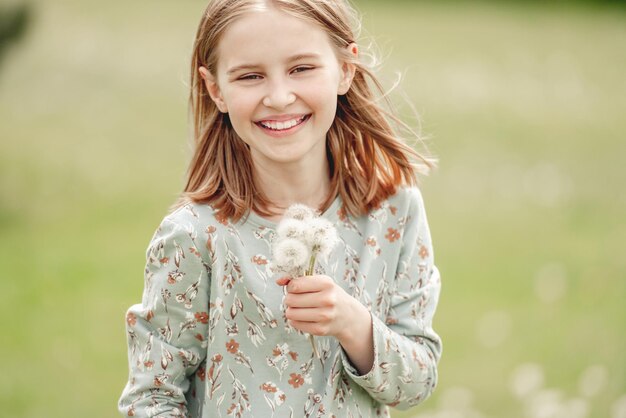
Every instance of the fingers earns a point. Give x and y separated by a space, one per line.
313 328
309 284
313 304
308 300
309 314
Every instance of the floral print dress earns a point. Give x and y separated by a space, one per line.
210 338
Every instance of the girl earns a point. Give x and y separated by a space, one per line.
283 113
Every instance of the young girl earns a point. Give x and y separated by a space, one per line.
283 113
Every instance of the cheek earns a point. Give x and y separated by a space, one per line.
241 114
322 99
240 108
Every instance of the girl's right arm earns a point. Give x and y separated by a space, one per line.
406 347
166 332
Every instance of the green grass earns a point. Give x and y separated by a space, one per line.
525 108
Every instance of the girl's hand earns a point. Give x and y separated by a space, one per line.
318 306
315 304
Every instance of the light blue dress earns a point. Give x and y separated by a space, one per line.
210 338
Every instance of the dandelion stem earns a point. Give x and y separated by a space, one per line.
309 272
311 268
312 339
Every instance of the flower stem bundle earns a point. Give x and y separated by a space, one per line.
302 239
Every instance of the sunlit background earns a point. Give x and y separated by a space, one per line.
524 104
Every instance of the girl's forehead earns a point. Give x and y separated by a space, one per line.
271 33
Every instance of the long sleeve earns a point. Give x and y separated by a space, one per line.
406 348
166 332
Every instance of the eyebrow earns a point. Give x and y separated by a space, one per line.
289 60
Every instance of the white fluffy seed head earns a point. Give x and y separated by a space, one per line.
301 237
290 228
290 253
321 236
292 272
300 212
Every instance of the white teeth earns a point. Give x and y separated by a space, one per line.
279 126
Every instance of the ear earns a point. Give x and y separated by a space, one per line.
347 70
214 91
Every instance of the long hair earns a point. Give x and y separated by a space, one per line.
368 159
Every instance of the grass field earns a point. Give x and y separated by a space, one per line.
525 108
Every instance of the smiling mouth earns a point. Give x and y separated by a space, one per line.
282 125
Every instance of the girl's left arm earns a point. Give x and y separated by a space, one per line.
406 348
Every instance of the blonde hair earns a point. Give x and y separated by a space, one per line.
367 159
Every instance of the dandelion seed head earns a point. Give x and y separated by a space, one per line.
300 212
301 236
290 228
618 409
575 408
321 236
527 379
593 380
546 403
289 254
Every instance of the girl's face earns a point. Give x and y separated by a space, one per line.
278 78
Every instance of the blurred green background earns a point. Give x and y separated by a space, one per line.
524 104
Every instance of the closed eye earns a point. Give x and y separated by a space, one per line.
250 77
302 68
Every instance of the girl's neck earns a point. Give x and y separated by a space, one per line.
285 186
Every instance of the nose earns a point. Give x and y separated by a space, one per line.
279 95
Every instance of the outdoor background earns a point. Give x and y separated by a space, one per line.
524 104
